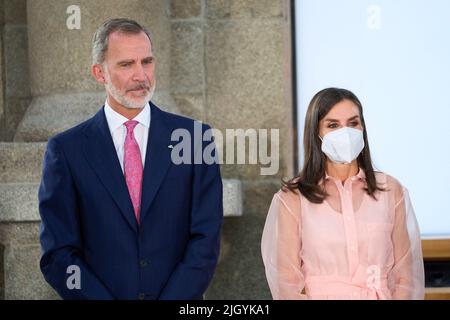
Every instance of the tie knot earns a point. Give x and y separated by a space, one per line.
130 124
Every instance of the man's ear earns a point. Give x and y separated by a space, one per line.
98 73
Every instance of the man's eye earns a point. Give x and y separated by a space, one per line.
125 65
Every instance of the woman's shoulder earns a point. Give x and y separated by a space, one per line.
288 196
287 200
390 183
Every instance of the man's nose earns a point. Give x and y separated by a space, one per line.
139 73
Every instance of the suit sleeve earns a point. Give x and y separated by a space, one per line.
193 274
60 232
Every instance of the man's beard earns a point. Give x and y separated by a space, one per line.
124 100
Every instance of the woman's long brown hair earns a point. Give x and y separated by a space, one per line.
307 181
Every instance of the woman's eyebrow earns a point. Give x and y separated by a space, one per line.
335 120
353 118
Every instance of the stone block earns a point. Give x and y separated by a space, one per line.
16 61
187 65
182 9
15 11
245 74
21 162
232 198
23 278
19 234
63 63
19 202
49 115
239 9
240 272
14 113
191 105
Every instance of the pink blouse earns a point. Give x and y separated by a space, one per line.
348 247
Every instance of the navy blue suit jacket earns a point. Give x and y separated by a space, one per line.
88 218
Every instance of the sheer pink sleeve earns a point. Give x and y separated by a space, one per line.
281 246
408 271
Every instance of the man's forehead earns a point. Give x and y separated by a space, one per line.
122 34
121 39
125 45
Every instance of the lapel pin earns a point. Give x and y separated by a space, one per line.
170 146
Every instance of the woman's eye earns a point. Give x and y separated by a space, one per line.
332 125
354 123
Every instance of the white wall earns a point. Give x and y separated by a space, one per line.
395 56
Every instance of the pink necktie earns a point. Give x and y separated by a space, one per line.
133 167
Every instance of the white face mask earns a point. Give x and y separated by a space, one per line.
343 145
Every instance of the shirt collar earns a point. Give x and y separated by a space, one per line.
115 119
359 176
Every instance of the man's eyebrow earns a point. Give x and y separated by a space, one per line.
125 61
150 58
147 59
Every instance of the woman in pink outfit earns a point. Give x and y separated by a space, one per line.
340 230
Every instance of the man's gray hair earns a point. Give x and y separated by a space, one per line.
100 39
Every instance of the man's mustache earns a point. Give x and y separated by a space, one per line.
139 87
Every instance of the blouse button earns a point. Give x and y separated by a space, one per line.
348 218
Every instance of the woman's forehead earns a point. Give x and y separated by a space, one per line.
342 111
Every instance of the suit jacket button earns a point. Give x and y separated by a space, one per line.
141 296
143 263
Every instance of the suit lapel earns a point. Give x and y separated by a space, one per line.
100 152
157 159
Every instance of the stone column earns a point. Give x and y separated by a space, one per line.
15 96
2 106
187 70
64 93
248 86
20 276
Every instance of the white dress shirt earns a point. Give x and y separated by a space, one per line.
116 124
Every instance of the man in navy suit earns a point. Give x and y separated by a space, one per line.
121 220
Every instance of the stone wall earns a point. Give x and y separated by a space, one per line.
225 62
245 63
15 93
